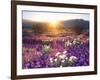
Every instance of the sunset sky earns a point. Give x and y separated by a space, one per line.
52 16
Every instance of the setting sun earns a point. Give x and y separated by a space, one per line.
53 22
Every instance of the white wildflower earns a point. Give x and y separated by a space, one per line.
73 58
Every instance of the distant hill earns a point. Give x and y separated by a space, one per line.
76 23
79 25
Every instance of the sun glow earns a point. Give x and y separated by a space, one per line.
53 22
54 26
